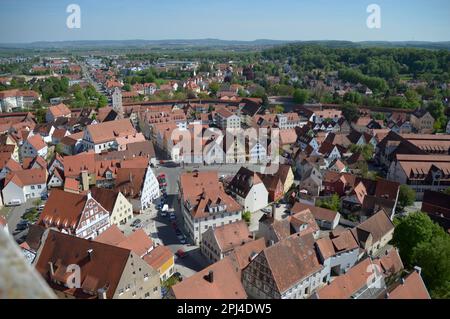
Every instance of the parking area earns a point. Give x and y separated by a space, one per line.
22 216
163 222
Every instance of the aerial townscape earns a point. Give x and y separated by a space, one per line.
210 169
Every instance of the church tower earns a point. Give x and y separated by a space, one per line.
117 102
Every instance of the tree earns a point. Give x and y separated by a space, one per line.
350 112
246 216
279 109
40 115
412 230
353 97
434 259
332 203
367 150
447 191
300 96
214 88
102 101
406 196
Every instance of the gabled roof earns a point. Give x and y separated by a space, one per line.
62 210
377 225
225 283
158 256
336 243
37 142
138 242
243 181
59 110
411 287
292 260
106 197
345 286
111 236
101 265
108 131
242 255
318 212
232 235
27 177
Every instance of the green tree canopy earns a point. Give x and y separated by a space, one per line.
406 196
300 96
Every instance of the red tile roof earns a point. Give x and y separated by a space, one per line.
27 177
225 283
103 271
412 287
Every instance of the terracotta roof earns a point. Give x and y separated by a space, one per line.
224 113
111 236
291 260
108 131
231 235
242 255
129 181
377 225
318 212
59 110
63 209
16 92
336 243
71 184
158 256
412 287
74 165
102 271
283 172
304 217
37 142
390 262
203 189
344 286
138 242
225 283
27 177
243 181
106 197
288 136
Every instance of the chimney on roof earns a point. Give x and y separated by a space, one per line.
210 276
102 293
90 253
418 269
52 270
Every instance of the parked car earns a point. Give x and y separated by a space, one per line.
178 232
172 216
182 239
136 223
44 196
163 213
180 254
22 225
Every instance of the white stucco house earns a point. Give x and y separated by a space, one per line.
34 146
249 190
23 185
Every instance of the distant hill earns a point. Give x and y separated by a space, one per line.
211 43
141 43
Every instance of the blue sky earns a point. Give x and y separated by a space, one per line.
45 20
